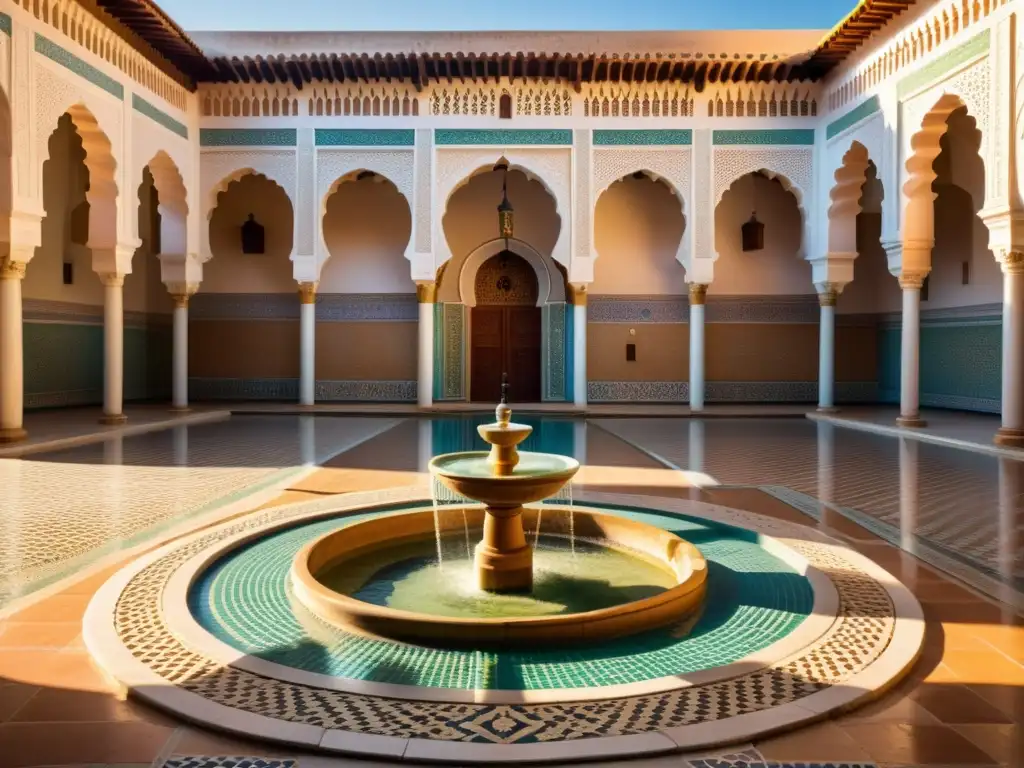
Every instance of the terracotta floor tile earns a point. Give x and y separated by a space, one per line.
13 696
943 590
32 744
90 584
985 667
822 742
63 670
963 637
1003 742
978 612
53 705
957 704
1007 638
196 741
893 708
59 608
916 744
39 634
1008 699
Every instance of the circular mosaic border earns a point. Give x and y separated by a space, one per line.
184 626
870 641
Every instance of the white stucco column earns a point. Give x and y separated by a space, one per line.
307 343
909 493
828 294
113 348
179 366
910 343
1011 432
698 297
426 293
578 296
12 360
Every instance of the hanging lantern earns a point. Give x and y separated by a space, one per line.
753 234
506 223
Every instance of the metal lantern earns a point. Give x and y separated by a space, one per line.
506 222
753 234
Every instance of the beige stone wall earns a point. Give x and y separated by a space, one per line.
243 349
366 351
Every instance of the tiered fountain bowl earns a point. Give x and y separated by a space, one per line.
330 574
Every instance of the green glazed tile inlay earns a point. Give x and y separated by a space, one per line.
5 24
248 137
355 137
767 136
860 112
461 136
158 116
54 52
613 138
753 600
932 71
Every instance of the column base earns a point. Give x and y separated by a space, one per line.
113 418
1009 437
180 409
827 409
911 422
12 434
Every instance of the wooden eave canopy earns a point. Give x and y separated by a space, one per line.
152 24
146 19
869 17
573 69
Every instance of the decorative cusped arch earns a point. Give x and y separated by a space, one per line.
550 282
173 196
96 118
219 169
845 199
154 142
918 173
671 167
793 168
337 166
552 168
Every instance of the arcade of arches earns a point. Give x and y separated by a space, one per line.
749 283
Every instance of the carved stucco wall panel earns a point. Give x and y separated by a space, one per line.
55 94
794 168
306 208
670 165
703 207
551 167
333 164
585 197
423 239
218 169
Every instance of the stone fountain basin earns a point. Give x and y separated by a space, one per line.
537 476
673 606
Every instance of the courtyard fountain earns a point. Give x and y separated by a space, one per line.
587 576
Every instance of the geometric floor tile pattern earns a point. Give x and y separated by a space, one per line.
957 506
107 496
855 641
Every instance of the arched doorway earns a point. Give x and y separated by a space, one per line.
505 329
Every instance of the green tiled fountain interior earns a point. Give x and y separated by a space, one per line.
753 600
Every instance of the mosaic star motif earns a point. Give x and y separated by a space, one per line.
858 636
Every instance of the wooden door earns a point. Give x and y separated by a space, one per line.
506 339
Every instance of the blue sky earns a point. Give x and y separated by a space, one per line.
414 15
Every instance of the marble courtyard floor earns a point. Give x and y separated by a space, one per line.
71 518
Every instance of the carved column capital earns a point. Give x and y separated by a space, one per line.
1012 262
828 294
181 292
912 279
112 279
698 294
426 292
307 292
578 295
11 269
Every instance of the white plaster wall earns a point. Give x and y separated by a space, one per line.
367 227
65 179
959 234
471 218
231 271
638 225
777 269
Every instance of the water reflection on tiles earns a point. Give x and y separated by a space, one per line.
964 503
